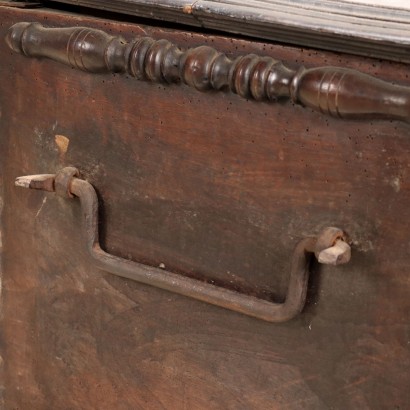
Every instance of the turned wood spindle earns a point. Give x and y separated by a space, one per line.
333 91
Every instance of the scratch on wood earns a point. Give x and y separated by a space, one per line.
41 207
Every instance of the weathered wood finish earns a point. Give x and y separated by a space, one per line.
334 91
213 186
369 30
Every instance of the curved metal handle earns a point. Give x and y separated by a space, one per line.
334 91
329 247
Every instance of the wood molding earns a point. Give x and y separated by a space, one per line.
334 91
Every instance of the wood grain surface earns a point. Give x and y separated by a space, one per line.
214 187
356 28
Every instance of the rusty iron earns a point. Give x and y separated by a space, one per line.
330 247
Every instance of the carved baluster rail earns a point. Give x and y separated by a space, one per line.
333 91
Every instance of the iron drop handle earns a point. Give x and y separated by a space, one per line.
329 247
333 91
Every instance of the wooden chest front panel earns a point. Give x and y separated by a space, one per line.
214 187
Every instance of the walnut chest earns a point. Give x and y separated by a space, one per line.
214 219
